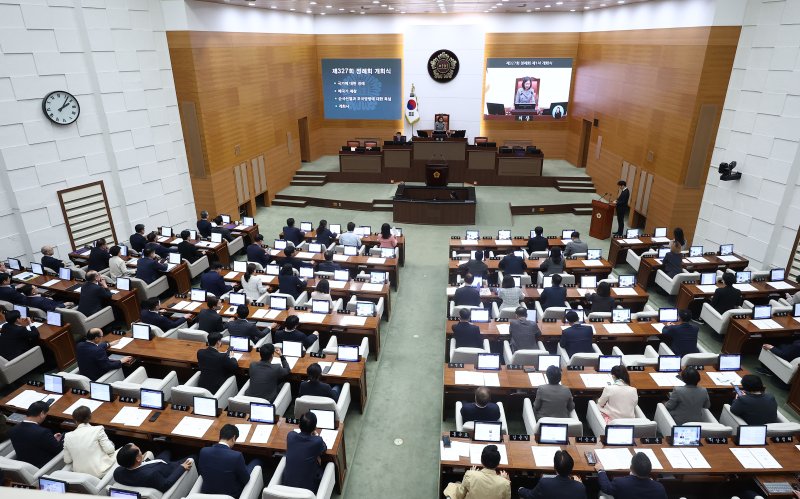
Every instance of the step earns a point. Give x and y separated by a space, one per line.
310 175
382 207
574 182
582 211
311 183
575 189
289 202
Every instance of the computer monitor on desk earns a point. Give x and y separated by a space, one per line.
422 134
495 109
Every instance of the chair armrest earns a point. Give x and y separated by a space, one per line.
529 417
596 349
54 464
283 399
459 417
138 376
226 391
504 425
328 481
507 354
664 420
452 348
253 488
728 418
650 352
616 351
169 382
595 419
332 346
486 345
344 401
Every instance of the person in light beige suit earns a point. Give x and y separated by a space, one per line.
483 483
87 447
618 400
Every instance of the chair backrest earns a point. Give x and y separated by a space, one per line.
192 335
82 483
584 359
76 320
554 313
699 359
184 395
18 471
236 245
258 265
466 355
75 380
275 489
527 357
289 298
307 402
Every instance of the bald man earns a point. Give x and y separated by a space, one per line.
52 263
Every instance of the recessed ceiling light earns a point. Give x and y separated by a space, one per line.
602 5
309 12
375 1
528 10
352 12
391 8
274 7
586 7
384 5
538 8
313 3
322 13
292 10
341 9
329 6
547 6
559 3
620 1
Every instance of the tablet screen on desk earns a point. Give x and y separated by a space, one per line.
684 436
14 264
347 353
123 494
65 273
479 315
174 258
725 249
594 254
503 234
292 349
54 319
240 343
279 244
751 435
307 272
325 419
730 362
546 361
669 363
667 315
262 413
140 331
488 431
387 252
273 269
124 284
777 275
660 232
619 435
22 309
377 277
248 221
627 281
205 406
547 281
306 226
517 281
151 399
553 434
350 251
336 228
662 252
743 277
341 275
796 311
365 308
695 251
100 391
632 233
567 233
321 306
37 268
52 485
166 231
314 248
588 281
762 312
277 302
472 235
239 266
226 219
606 362
53 384
195 295
708 278
488 361
620 315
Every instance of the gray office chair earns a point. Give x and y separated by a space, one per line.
275 489
14 369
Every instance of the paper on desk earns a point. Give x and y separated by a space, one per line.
337 284
491 379
244 430
503 328
656 464
658 326
675 457
543 455
240 227
659 261
592 263
448 454
304 255
537 379
724 378
583 291
376 259
764 458
697 259
765 324
659 239
24 276
566 241
27 397
237 355
231 275
451 290
340 258
773 284
597 381
90 403
461 447
161 239
746 458
270 314
468 378
372 287
502 242
192 306
193 427
260 313
329 437
729 258
274 252
614 459
350 320
261 434
180 305
123 342
53 282
617 328
475 451
337 368
289 360
666 379
131 416
625 291
311 318
707 288
632 241
744 287
37 324
695 458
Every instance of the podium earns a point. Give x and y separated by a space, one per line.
602 219
436 174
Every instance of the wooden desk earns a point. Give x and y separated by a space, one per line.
59 341
460 245
743 337
370 241
649 267
172 352
389 265
620 246
575 267
794 394
575 295
169 418
249 233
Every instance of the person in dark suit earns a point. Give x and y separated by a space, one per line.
223 469
150 315
673 260
622 205
313 386
17 336
512 264
290 284
94 294
634 486
575 245
220 228
208 319
323 235
577 338
524 333
289 332
787 351
682 338
289 258
148 268
9 293
554 264
303 451
555 295
137 239
292 233
467 294
38 301
483 409
561 485
213 282
188 250
537 242
153 244
159 474
727 297
465 333
601 301
686 403
265 376
328 265
553 400
215 367
256 253
242 327
476 266
99 256
203 225
92 355
756 406
33 443
54 264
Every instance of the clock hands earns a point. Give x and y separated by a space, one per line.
66 101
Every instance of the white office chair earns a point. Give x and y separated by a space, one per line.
160 333
648 313
635 260
709 426
307 402
524 279
24 472
719 322
332 347
291 301
551 312
83 483
184 394
566 279
780 367
258 265
74 379
580 359
574 425
783 427
507 312
649 358
146 291
523 357
539 254
598 315
777 308
252 490
467 355
241 402
702 358
642 427
352 303
235 246
275 490
138 379
79 324
14 369
671 285
339 249
470 425
454 310
178 490
198 267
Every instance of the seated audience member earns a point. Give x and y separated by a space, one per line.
682 337
561 486
467 294
524 333
465 333
203 225
150 315
575 245
208 319
756 407
793 299
512 264
159 474
99 256
92 355
223 469
483 483
9 293
476 266
322 291
240 326
148 268
601 301
510 295
94 294
726 297
137 239
213 282
323 235
219 227
290 284
38 301
257 253
117 267
786 351
52 263
637 485
187 250
215 367
483 409
313 386
328 265
553 400
265 376
17 335
292 233
619 399
350 238
289 332
386 239
537 242
555 295
153 244
33 443
673 260
303 451
678 237
87 448
554 264
253 284
290 259
686 403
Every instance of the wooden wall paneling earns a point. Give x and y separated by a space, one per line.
646 194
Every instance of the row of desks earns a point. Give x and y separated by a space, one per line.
371 241
390 265
575 266
761 290
634 298
650 266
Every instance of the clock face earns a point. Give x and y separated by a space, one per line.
61 107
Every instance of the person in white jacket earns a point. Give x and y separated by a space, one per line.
87 447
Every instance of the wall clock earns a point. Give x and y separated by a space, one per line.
60 107
443 66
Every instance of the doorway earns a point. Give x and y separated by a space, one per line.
586 139
305 149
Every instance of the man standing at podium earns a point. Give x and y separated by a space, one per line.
622 206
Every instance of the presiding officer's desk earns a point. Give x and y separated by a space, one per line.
173 353
760 290
706 263
743 336
635 299
169 419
